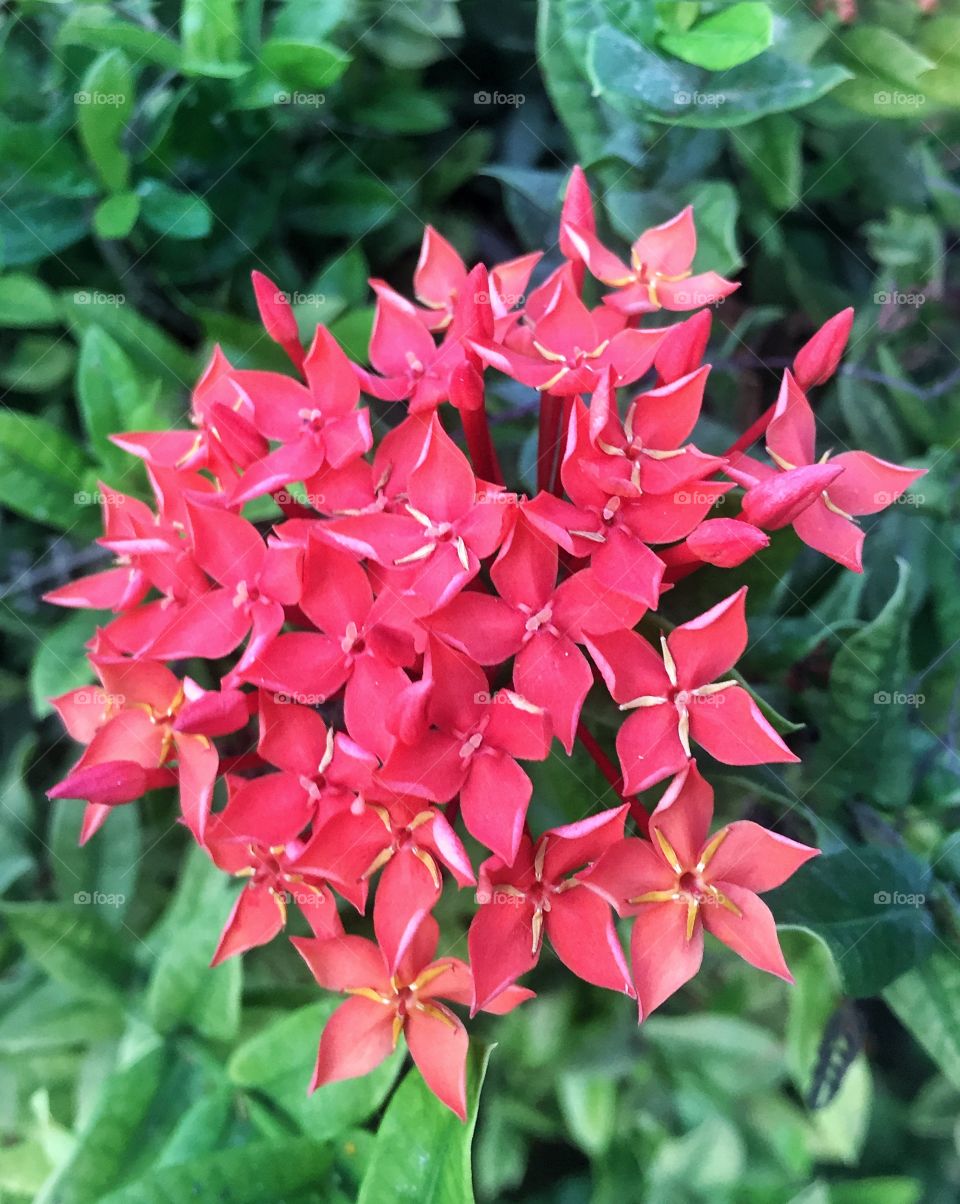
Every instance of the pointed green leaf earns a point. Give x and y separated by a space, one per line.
725 39
277 1061
104 104
422 1152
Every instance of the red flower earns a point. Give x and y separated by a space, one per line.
659 275
681 882
384 1004
541 891
675 698
865 484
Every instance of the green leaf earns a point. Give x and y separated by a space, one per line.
103 871
110 1127
96 27
210 36
770 150
41 470
927 1002
719 1047
866 715
183 989
61 661
589 1105
724 40
116 216
638 81
262 1172
72 944
39 363
108 390
422 1152
147 344
304 65
867 904
104 104
174 214
26 301
276 1061
50 1017
35 225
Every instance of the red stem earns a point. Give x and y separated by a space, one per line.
752 433
480 445
637 810
250 760
548 443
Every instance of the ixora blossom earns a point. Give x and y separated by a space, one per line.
377 667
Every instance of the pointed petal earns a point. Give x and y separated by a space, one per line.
554 674
665 416
756 858
439 1048
832 534
573 846
731 727
868 484
493 801
255 919
706 647
356 1038
501 946
582 932
628 868
343 963
661 957
752 933
684 813
405 894
649 748
670 247
791 435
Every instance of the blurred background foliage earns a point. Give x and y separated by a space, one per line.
152 153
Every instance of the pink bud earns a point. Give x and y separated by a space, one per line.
817 359
726 542
277 316
776 501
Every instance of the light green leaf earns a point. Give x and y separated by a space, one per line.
276 1062
103 105
725 39
183 989
95 26
116 216
26 301
259 1173
111 1126
927 1002
174 214
210 36
638 81
41 470
589 1105
422 1154
102 872
304 65
72 944
61 661
108 390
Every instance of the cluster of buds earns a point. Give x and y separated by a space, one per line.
408 630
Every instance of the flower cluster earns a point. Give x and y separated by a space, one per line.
386 652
